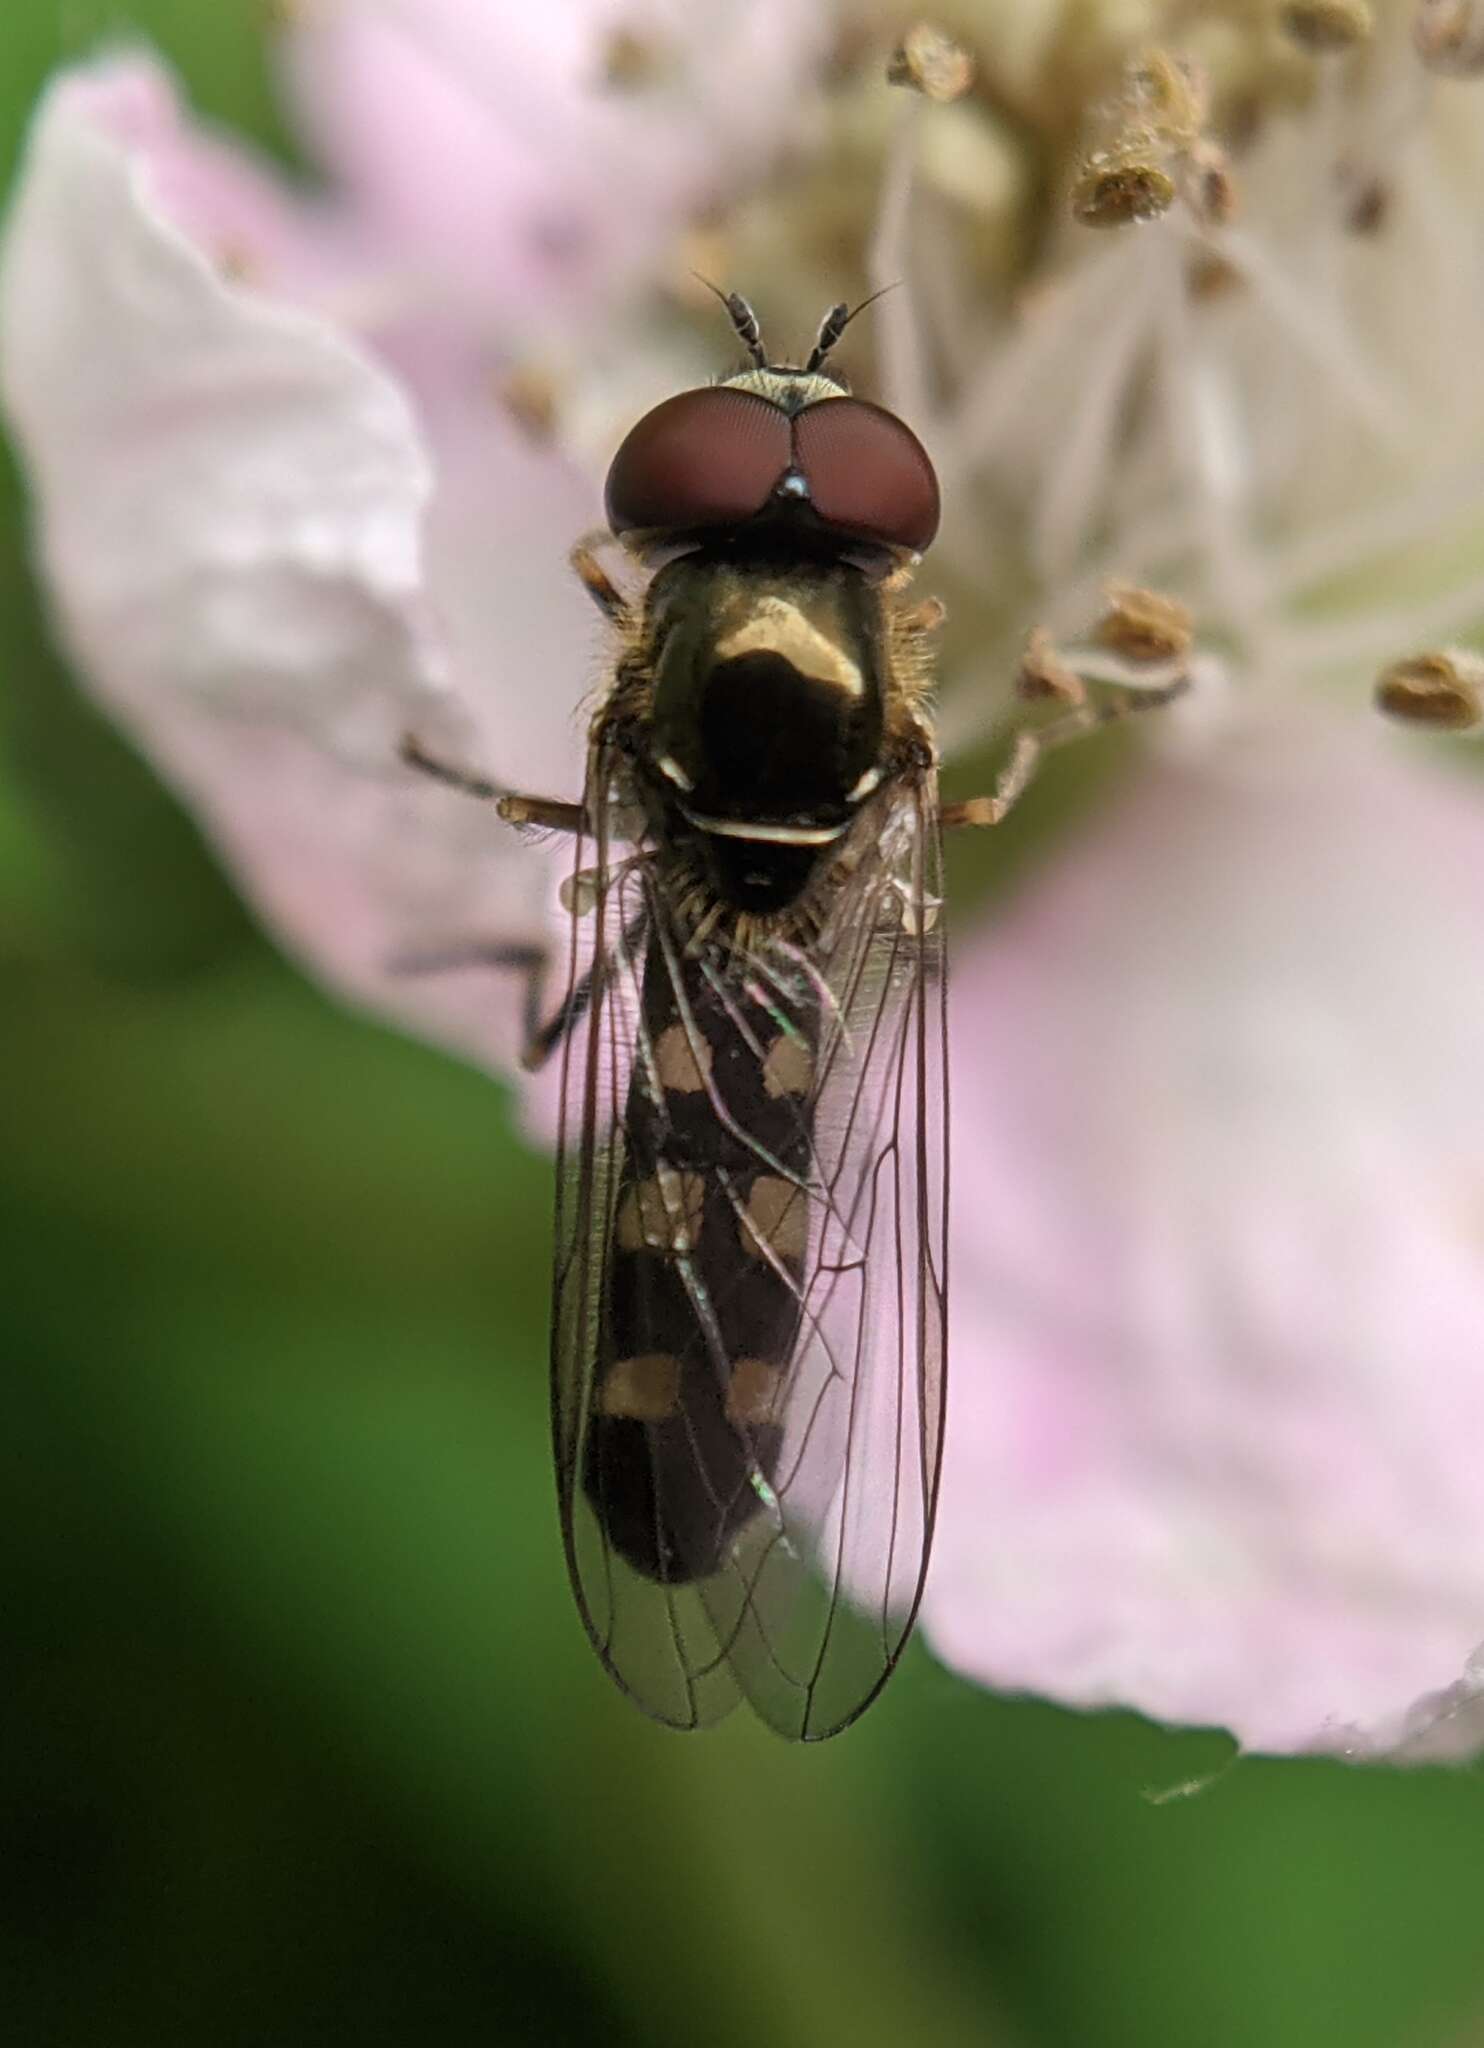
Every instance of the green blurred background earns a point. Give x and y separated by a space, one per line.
302 1741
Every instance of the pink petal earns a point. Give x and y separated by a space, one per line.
1217 1407
232 205
487 141
232 506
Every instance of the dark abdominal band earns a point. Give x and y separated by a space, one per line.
700 1313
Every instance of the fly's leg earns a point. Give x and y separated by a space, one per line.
539 1037
548 813
1139 653
596 581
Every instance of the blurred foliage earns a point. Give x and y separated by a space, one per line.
302 1740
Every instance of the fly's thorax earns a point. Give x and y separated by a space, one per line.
767 720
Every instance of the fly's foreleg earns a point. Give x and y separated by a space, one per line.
547 813
596 581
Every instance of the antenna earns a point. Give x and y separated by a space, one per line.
743 319
834 325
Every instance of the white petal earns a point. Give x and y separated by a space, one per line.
231 502
1217 1396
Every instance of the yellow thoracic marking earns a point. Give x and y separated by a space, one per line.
775 1219
676 1065
774 626
642 1389
788 1068
753 1392
662 1214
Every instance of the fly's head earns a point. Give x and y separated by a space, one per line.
780 513
775 455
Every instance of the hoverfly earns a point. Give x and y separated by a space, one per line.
750 1271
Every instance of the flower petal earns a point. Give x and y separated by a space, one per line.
1218 1370
498 146
231 504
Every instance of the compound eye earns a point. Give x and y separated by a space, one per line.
868 474
703 458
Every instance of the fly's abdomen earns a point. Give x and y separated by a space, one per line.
704 1274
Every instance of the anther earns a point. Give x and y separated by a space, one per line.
1144 625
1367 206
929 61
1143 146
1043 677
1326 27
1209 185
1442 689
1116 188
1449 36
635 63
529 394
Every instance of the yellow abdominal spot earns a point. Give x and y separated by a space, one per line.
642 1389
662 1214
788 1068
753 1392
776 1219
680 1067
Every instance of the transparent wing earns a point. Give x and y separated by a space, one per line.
747 1381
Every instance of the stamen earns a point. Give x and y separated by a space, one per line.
238 263
1141 650
929 61
1208 186
1449 36
1079 458
1369 637
1326 27
1145 625
1117 188
1055 323
1442 689
1141 142
529 393
1338 546
1326 340
1043 676
903 362
631 62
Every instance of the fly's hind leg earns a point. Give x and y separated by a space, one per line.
539 1038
